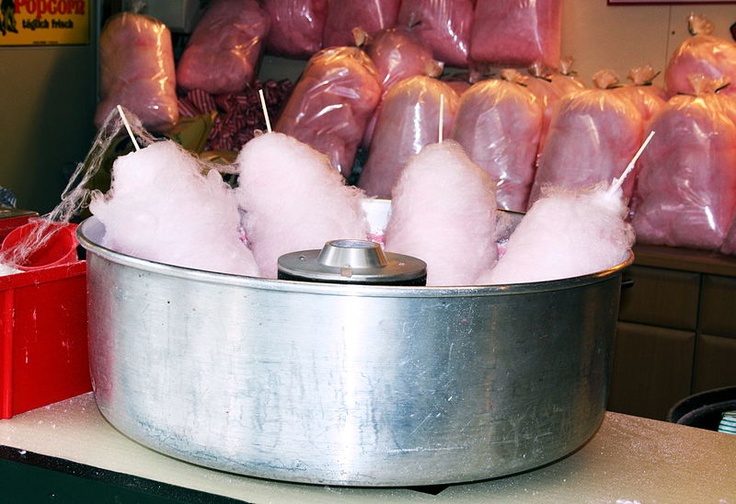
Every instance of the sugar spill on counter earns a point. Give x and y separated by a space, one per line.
165 205
443 212
292 198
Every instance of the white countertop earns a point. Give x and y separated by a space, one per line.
630 460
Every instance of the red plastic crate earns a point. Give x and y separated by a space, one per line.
11 218
43 337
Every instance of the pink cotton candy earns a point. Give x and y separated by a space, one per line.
224 51
293 199
593 135
686 189
160 207
398 53
547 92
702 56
332 104
647 97
296 26
137 71
517 32
566 233
345 15
499 123
444 25
408 119
443 212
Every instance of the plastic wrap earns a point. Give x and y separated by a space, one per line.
296 27
408 119
345 15
332 103
397 54
593 135
565 80
224 51
728 246
686 190
644 77
517 32
498 123
548 94
647 97
137 71
444 25
701 55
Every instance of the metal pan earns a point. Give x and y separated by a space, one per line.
348 384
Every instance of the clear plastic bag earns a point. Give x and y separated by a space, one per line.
647 97
702 55
332 103
408 119
565 80
498 123
545 89
444 25
517 32
296 27
225 48
398 53
686 189
345 15
137 71
593 135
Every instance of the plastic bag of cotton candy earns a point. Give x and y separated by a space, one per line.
591 136
704 55
499 123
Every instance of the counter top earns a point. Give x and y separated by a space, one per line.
630 460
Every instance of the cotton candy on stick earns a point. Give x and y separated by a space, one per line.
292 199
444 212
162 207
568 233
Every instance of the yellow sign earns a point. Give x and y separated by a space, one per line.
44 22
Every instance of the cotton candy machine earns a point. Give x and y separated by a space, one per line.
348 384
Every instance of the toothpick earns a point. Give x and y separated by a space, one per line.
442 118
127 127
265 110
617 182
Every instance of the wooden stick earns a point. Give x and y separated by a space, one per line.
265 110
617 182
127 127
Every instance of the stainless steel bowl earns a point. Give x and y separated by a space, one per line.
348 384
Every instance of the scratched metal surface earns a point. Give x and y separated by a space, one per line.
348 385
